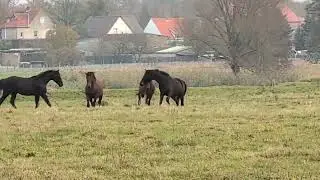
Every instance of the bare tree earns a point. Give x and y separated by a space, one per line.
233 28
62 46
66 12
5 6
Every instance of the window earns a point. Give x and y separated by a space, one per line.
42 19
21 34
35 33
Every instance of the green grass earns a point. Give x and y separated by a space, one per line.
221 133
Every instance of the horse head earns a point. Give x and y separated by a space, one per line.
147 77
56 77
91 79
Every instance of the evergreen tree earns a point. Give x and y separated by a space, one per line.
311 27
299 39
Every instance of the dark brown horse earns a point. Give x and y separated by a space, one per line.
33 86
93 89
174 88
146 90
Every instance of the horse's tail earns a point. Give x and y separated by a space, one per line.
1 85
1 88
183 84
185 87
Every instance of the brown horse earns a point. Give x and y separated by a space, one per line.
93 89
146 90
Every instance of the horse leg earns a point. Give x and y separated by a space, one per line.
176 99
182 101
88 101
139 99
147 100
3 97
168 99
45 98
161 99
150 99
99 101
36 100
93 102
12 100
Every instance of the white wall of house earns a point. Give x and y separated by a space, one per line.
151 28
120 27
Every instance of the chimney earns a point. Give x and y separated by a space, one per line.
28 9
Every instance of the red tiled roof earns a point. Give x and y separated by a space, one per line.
20 19
168 26
292 18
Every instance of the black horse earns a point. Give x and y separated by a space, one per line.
32 86
146 90
174 88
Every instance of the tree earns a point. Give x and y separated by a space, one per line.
144 16
241 30
311 27
5 6
97 8
299 39
36 3
62 36
67 12
62 46
5 45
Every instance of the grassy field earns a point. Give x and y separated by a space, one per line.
222 133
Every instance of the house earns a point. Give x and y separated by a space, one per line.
28 24
172 54
107 49
169 27
106 25
293 20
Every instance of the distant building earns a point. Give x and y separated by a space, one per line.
27 24
293 20
99 26
169 27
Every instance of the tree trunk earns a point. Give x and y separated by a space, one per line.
235 67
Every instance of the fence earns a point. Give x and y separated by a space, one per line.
196 74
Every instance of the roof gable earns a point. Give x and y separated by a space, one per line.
100 25
120 27
168 26
133 24
151 28
291 17
21 19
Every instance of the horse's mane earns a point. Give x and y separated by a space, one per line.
164 73
93 75
43 74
